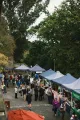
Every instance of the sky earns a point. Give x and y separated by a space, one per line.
53 3
51 7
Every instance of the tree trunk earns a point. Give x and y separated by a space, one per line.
0 8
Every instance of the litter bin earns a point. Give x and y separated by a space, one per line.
7 103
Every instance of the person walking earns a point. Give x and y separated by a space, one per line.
24 92
29 99
63 109
32 87
40 93
55 106
43 92
49 95
6 80
20 90
16 91
2 87
36 92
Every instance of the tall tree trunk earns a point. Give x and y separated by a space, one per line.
0 8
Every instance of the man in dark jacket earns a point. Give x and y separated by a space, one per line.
36 92
41 93
29 100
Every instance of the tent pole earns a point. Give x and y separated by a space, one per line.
71 100
54 64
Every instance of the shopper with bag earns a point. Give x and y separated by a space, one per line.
63 109
56 105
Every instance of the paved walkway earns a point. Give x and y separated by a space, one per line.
41 107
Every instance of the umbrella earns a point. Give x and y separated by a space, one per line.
21 114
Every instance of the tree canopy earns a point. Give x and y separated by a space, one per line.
59 34
61 31
7 44
3 60
21 14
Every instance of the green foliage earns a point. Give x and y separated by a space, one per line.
7 44
35 53
61 31
39 54
21 14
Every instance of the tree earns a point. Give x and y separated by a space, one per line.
61 31
21 15
39 54
3 60
35 51
7 44
0 8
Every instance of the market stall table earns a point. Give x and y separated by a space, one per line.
76 111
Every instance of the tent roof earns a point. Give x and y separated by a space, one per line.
21 114
54 76
9 68
66 79
37 68
22 67
74 85
47 73
77 91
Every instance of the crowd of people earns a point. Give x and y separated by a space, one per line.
25 85
28 86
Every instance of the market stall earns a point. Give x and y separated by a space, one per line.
44 75
37 69
74 87
66 79
47 73
54 76
22 68
76 103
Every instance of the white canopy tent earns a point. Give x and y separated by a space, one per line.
74 86
54 76
37 69
47 73
22 67
66 79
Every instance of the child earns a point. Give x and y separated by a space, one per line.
16 91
